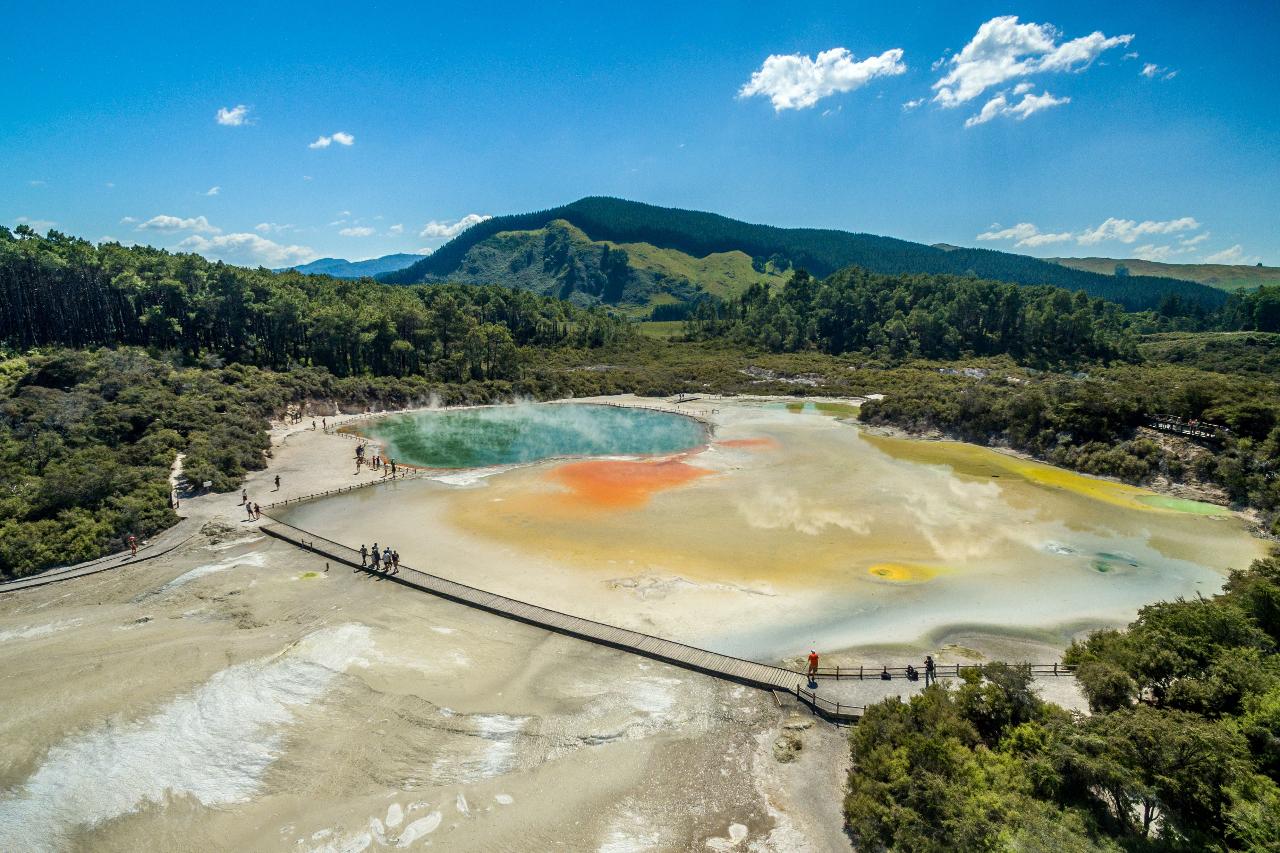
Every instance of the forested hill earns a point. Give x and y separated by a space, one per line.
342 268
820 251
63 291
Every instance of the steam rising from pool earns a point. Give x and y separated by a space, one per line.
527 432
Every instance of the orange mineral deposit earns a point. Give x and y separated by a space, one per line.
621 484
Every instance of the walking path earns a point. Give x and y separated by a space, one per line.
162 544
750 673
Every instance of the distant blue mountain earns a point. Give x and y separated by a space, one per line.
342 268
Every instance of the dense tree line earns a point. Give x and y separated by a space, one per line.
821 251
940 317
65 291
1090 423
88 438
1181 752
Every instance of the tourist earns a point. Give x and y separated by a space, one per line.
364 556
133 545
813 663
244 496
930 671
912 673
257 513
393 469
313 423
377 556
386 558
324 424
277 482
248 508
884 674
395 562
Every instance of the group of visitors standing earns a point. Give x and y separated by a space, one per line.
913 674
252 510
375 461
385 561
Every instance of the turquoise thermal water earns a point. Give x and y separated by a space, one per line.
503 435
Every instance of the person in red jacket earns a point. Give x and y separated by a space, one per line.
813 664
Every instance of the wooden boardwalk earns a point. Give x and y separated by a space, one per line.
167 541
750 673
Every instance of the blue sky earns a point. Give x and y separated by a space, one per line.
1039 137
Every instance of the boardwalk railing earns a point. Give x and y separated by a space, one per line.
1190 429
837 712
750 673
410 474
950 670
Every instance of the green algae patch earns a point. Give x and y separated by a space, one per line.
795 408
308 575
1182 505
838 410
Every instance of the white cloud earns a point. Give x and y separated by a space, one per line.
794 81
1128 231
1152 252
1079 54
247 249
1194 241
396 229
1151 71
272 228
1021 110
910 105
128 220
1026 234
449 230
1023 87
170 224
213 190
1234 255
1004 49
1133 54
425 250
233 116
357 231
340 137
36 224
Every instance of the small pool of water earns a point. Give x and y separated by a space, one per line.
506 435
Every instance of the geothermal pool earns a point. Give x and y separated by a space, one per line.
505 435
792 529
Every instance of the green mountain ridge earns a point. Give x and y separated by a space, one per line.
1221 276
697 235
343 268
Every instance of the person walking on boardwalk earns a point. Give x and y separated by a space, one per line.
813 668
277 482
244 496
395 562
386 559
248 508
377 557
133 545
364 556
257 512
393 468
930 670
